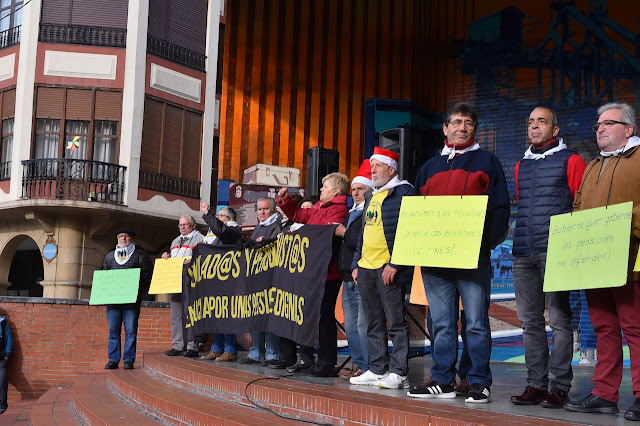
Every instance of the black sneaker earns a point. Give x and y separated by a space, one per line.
173 352
247 361
433 390
300 366
478 394
281 364
190 353
320 370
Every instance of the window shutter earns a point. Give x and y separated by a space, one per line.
108 105
191 146
78 104
100 13
49 102
171 141
151 134
8 103
55 11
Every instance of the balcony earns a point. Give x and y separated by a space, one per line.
82 34
5 170
169 184
10 37
174 53
70 179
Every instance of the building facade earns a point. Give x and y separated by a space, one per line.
109 118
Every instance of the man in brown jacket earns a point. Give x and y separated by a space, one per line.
613 178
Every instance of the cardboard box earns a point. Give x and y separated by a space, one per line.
266 174
243 198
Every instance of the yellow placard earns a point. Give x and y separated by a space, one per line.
637 265
440 231
167 276
588 249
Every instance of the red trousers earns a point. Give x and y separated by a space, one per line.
612 310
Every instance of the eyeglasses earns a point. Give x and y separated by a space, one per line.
607 124
222 215
458 123
181 225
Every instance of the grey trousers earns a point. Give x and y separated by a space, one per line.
177 328
528 278
384 303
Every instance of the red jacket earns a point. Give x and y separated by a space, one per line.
334 211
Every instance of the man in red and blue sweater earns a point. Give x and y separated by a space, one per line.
463 169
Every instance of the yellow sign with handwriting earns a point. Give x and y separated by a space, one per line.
440 231
167 276
588 249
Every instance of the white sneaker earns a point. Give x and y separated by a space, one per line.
368 378
394 381
576 341
587 358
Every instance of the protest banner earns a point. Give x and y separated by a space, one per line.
167 275
277 288
440 231
588 249
114 287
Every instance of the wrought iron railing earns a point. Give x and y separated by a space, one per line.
82 34
10 37
169 184
5 170
175 53
70 179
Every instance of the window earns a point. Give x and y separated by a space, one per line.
47 137
7 140
10 14
105 140
77 137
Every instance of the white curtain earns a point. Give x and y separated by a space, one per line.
104 147
47 144
7 141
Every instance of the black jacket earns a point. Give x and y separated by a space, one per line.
226 234
139 259
349 245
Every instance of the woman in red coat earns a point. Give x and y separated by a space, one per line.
331 209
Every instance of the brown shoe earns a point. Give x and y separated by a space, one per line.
530 396
462 389
347 374
227 357
211 356
556 398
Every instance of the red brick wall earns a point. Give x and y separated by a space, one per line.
55 344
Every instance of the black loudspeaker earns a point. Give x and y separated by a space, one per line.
320 162
414 146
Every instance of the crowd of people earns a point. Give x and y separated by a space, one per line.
550 179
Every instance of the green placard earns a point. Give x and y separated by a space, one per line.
114 287
440 231
589 249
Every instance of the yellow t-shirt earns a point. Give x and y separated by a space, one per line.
375 253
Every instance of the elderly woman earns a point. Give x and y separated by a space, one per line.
331 209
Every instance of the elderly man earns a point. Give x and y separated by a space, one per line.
355 319
126 255
379 281
182 246
463 169
265 348
547 178
612 178
224 223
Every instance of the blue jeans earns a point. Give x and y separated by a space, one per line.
355 324
474 286
116 316
224 343
265 346
465 362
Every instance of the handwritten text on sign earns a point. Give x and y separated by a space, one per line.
589 249
440 231
116 286
167 276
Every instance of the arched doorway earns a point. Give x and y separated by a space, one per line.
26 270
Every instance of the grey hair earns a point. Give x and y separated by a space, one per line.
230 212
271 201
554 116
188 216
628 114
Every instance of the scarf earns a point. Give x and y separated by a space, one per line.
451 151
391 184
530 155
211 237
270 220
633 141
122 254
